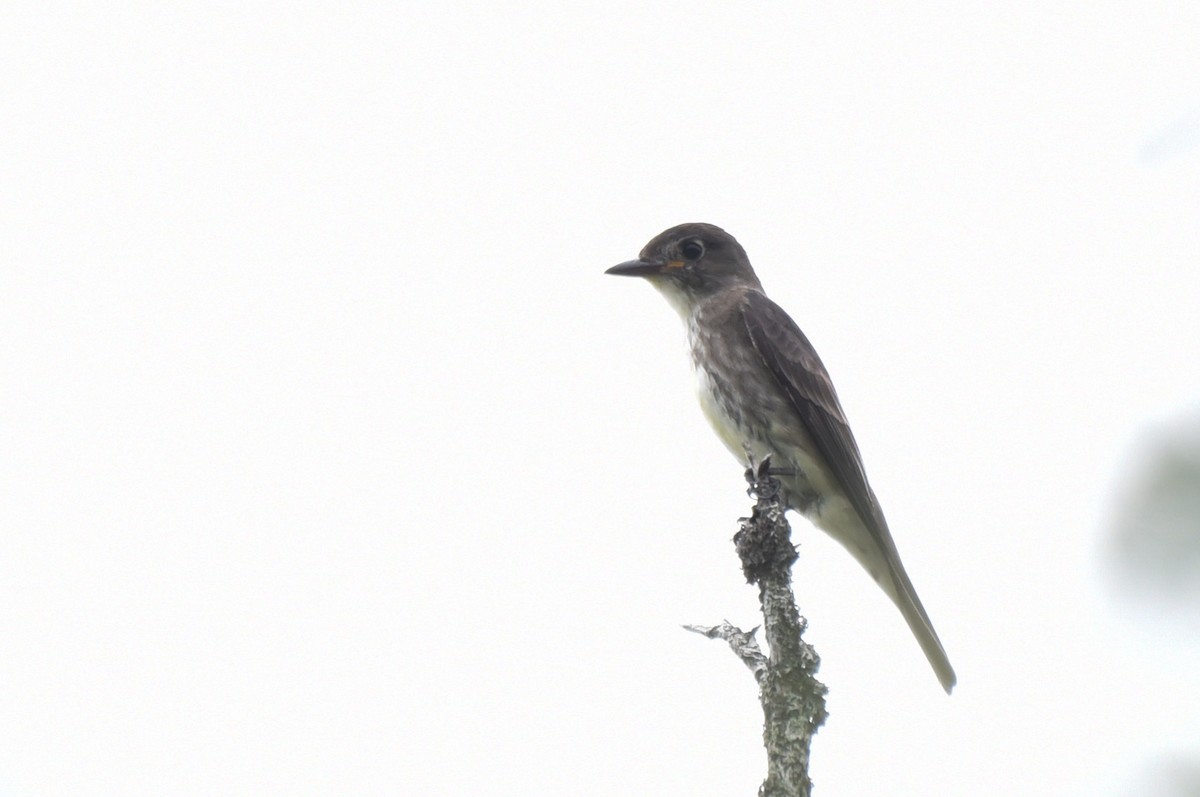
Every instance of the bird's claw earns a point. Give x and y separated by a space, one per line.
762 479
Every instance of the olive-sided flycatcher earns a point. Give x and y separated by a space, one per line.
766 393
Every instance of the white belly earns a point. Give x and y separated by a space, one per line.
727 430
811 487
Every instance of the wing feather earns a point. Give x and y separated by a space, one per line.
801 375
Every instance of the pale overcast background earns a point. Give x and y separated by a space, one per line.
334 464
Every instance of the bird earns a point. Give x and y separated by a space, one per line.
766 393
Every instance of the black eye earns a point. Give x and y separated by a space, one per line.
692 250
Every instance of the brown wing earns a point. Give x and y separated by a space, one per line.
794 363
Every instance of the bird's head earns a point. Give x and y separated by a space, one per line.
691 263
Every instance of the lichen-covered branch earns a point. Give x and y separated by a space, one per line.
742 643
792 698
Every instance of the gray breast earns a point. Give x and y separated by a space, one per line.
745 406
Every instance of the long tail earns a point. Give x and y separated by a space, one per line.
906 600
877 553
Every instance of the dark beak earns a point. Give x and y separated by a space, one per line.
636 268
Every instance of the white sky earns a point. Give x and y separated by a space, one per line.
333 464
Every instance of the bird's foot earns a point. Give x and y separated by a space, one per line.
762 478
